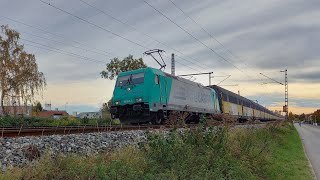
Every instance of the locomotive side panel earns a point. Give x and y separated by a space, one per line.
188 96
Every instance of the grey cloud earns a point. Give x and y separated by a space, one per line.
277 13
313 76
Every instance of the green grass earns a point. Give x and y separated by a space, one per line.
274 152
288 159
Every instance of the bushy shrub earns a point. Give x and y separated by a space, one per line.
198 154
8 121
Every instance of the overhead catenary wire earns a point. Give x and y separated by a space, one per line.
208 33
190 67
60 52
60 42
143 33
57 49
198 40
95 25
224 79
212 36
56 35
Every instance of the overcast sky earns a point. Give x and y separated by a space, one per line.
257 36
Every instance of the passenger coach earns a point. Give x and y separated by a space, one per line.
242 108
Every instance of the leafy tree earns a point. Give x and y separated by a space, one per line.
116 66
316 115
291 116
37 107
105 109
19 74
302 117
106 106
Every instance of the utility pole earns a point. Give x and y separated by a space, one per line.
286 95
173 66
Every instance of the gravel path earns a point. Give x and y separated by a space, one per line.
310 136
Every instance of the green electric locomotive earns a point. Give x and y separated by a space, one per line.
150 95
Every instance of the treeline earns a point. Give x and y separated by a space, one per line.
315 116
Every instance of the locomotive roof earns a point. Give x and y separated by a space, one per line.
160 72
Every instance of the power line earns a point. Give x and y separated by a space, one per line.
53 34
203 29
57 49
210 34
88 50
95 25
65 53
143 33
224 79
193 36
272 79
190 67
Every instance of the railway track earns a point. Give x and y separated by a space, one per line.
47 130
64 130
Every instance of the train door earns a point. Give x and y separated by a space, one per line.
163 90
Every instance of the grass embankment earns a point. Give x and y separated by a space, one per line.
274 152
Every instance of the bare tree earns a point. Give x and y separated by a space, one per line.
19 74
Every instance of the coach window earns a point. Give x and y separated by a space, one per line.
156 79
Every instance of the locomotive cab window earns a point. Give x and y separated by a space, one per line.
130 79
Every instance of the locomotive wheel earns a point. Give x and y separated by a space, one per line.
156 118
159 118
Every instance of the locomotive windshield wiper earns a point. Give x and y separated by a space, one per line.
129 81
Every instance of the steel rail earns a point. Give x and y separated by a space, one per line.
65 130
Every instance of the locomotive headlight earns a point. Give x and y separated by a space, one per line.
139 100
117 102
